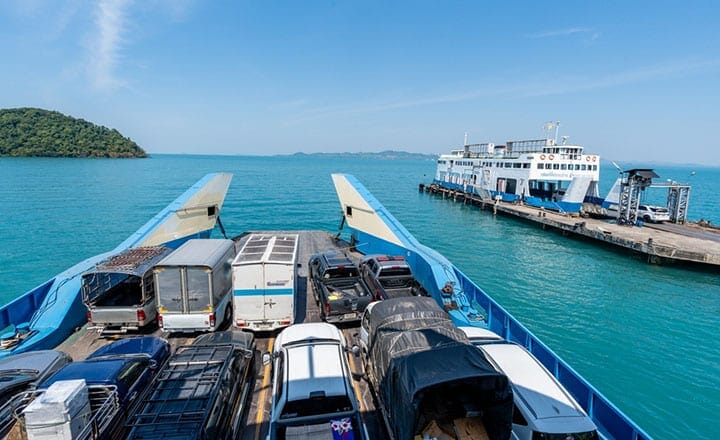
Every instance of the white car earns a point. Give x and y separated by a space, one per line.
543 407
312 393
655 214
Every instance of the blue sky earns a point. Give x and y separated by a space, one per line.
631 81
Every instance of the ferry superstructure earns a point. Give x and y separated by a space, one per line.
538 172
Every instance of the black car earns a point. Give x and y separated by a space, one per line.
338 289
201 392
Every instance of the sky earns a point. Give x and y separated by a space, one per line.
634 81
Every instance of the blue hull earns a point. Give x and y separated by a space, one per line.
433 271
54 310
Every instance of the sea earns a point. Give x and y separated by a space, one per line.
646 336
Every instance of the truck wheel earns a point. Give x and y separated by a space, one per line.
646 218
228 316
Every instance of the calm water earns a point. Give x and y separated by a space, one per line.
645 336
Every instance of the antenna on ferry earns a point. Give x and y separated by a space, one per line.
465 138
617 167
557 127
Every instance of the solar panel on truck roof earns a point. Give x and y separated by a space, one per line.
265 248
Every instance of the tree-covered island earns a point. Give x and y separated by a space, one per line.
36 132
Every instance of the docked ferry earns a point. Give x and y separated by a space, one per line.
538 172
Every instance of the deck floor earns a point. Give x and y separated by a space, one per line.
257 416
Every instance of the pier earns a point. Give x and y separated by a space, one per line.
663 243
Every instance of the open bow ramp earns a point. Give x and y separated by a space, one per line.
375 231
49 313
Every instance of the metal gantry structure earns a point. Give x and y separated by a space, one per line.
637 180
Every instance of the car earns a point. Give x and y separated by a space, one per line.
543 408
654 214
127 366
201 392
312 393
337 287
389 276
23 372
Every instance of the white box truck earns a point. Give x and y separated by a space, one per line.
264 279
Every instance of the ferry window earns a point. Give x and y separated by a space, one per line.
583 167
541 166
556 166
508 165
517 165
500 165
563 166
577 167
594 167
526 165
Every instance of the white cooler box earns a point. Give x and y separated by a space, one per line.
59 413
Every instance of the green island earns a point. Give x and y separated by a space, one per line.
34 132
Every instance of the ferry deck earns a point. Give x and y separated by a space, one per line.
257 415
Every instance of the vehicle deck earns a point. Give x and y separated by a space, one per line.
662 243
83 342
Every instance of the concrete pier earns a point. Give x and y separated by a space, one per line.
665 243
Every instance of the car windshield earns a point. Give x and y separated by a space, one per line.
316 406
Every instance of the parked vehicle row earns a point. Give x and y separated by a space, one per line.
343 289
197 287
134 388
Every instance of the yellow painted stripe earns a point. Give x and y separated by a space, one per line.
263 394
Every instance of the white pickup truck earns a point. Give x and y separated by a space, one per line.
654 214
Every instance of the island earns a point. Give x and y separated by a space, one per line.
35 132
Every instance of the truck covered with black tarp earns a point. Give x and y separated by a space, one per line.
424 371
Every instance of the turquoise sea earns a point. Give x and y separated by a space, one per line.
645 336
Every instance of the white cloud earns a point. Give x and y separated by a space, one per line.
587 33
110 19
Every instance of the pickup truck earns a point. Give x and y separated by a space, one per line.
389 277
337 287
429 380
119 293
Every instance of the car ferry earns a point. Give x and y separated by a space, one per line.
369 227
538 172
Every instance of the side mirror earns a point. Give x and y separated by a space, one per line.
152 364
266 357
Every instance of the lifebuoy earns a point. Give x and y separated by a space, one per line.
594 158
551 157
587 158
542 157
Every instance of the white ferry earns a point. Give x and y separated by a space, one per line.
537 172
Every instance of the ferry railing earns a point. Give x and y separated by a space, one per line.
611 421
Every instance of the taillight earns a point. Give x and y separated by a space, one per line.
212 319
285 322
141 315
89 316
241 323
160 321
327 309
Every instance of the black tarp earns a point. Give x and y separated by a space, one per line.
426 369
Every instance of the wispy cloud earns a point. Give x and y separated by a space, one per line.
675 69
110 19
526 89
586 33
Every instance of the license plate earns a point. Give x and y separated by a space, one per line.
349 316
